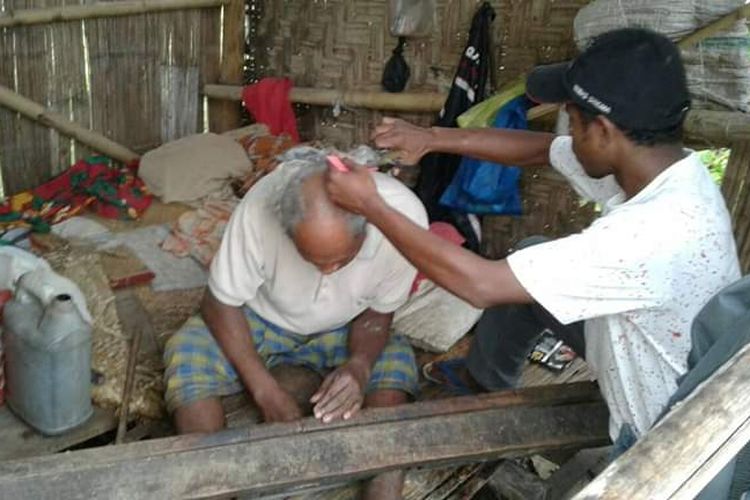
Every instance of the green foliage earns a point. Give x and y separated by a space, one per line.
716 161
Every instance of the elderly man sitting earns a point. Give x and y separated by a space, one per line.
297 281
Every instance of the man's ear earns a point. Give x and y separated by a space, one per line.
607 133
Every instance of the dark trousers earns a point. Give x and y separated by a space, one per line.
505 335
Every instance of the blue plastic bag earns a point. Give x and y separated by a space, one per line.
482 187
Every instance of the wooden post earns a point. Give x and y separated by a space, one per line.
225 115
135 321
28 17
683 452
736 190
272 458
48 118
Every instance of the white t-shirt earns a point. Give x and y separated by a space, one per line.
258 265
638 276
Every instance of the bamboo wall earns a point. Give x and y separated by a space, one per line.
136 79
345 43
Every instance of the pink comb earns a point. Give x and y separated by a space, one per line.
336 163
339 165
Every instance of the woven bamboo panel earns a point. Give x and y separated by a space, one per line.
550 208
135 79
345 44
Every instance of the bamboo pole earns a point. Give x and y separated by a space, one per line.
718 128
28 17
408 102
39 114
715 27
225 115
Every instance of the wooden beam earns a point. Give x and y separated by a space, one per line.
226 115
683 452
48 118
282 457
61 13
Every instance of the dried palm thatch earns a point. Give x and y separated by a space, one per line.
167 311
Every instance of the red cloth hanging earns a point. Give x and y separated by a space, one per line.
268 102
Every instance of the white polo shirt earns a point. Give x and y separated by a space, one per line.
638 276
257 265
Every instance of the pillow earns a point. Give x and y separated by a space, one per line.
192 167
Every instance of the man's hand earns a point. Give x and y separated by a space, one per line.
354 191
276 405
342 392
409 142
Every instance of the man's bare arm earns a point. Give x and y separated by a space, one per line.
229 326
511 147
480 281
342 392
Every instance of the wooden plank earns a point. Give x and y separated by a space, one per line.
272 458
21 441
27 17
679 456
225 115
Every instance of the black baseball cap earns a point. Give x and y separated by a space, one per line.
635 77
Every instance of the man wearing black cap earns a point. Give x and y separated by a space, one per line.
624 291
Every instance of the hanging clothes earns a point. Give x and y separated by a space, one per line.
268 102
469 86
483 187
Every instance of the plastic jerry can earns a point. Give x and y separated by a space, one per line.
47 361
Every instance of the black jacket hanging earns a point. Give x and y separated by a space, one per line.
469 87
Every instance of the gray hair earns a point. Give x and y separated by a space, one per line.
287 203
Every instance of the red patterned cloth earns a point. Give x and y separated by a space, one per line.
95 183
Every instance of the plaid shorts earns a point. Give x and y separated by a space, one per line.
196 368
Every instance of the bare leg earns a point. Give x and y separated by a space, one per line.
206 415
300 382
388 485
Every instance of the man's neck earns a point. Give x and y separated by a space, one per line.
644 164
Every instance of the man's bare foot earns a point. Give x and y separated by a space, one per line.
453 375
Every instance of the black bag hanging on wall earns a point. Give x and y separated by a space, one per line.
469 86
396 72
